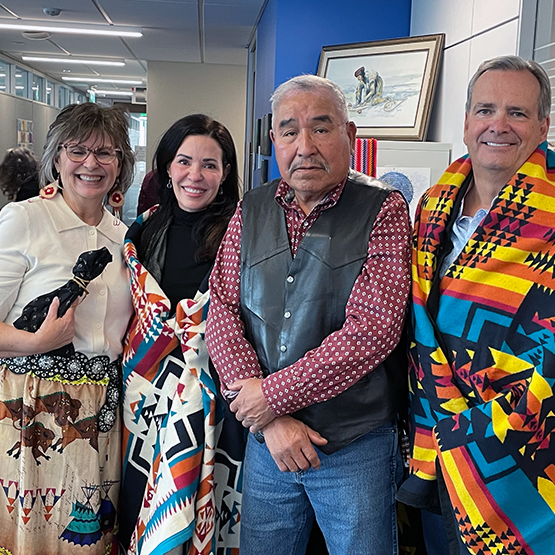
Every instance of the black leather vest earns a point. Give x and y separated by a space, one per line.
290 305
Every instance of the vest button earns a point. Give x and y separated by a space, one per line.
283 348
290 279
287 314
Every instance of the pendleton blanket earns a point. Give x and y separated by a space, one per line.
483 363
182 456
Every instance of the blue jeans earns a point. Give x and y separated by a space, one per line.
352 497
435 536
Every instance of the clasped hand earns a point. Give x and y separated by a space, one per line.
289 441
291 444
250 405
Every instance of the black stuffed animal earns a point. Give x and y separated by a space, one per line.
89 266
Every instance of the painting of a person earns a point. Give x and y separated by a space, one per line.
369 87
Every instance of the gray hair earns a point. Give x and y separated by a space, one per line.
515 63
310 83
78 122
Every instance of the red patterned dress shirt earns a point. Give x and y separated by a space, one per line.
374 314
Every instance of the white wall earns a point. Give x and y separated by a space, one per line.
176 89
475 30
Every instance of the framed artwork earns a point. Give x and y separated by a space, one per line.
389 84
25 133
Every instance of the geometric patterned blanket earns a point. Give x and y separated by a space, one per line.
483 363
182 475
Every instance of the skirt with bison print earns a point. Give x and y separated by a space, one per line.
60 455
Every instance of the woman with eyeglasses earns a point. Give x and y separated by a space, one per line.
60 432
177 495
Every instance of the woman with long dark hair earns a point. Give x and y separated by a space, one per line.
174 490
206 212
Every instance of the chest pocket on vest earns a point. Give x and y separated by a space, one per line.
314 286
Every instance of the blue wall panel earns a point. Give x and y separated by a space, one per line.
291 34
304 27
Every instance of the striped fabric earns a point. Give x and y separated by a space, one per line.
483 368
364 158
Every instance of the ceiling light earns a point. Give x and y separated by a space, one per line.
110 93
36 35
102 30
72 61
97 80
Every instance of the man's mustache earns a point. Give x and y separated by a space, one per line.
308 163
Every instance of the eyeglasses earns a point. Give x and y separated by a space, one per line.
103 154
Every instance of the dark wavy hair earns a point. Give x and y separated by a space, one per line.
18 167
210 228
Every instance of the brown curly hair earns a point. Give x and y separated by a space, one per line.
78 122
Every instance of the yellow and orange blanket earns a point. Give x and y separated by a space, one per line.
483 363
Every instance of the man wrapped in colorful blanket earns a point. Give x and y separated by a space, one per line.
483 323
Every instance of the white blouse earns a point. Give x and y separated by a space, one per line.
40 241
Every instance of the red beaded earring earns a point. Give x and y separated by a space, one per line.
116 200
50 191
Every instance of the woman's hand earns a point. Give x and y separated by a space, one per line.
55 332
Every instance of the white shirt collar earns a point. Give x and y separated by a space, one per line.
64 219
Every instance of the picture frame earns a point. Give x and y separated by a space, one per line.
389 84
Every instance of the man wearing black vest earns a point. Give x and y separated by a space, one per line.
308 299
